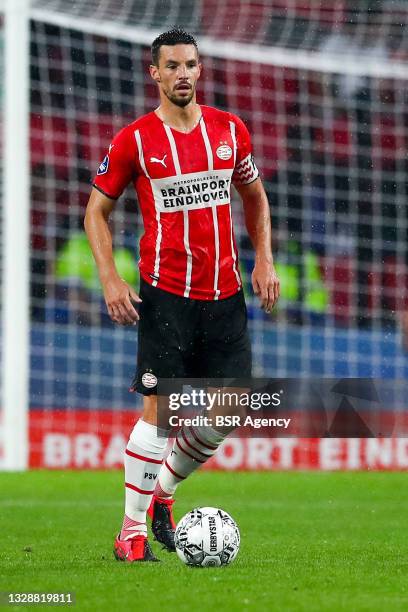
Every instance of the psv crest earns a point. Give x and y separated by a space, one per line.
224 152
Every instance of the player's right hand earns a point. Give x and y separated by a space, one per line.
119 297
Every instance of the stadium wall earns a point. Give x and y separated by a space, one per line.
64 377
92 434
97 439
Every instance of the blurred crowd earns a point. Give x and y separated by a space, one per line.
331 148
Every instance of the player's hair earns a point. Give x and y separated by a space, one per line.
176 36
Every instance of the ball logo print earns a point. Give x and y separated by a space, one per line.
224 152
149 380
207 537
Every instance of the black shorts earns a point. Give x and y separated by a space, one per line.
183 338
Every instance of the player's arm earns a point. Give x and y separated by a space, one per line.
265 281
118 294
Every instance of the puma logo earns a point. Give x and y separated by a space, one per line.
159 161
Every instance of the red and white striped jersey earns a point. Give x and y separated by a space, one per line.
183 184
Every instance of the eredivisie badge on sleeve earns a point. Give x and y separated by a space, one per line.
103 168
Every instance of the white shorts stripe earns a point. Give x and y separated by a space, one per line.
210 159
159 228
177 168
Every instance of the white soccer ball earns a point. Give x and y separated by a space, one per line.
207 537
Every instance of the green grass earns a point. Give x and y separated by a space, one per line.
314 541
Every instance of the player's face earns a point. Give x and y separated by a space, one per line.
177 73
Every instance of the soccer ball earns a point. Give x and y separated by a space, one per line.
207 537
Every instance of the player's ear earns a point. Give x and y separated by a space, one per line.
154 73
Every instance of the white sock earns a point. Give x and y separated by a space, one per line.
192 447
143 460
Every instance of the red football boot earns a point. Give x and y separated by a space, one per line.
135 549
163 525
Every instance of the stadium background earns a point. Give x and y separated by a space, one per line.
323 88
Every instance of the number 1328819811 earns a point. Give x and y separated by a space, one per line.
17 598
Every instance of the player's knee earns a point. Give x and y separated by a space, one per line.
150 409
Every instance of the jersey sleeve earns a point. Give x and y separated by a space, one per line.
245 170
118 167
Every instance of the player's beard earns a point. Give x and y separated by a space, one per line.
181 102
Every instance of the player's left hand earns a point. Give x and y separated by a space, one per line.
265 283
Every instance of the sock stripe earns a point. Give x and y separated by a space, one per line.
128 522
135 488
193 447
173 472
142 458
214 448
132 528
188 454
159 492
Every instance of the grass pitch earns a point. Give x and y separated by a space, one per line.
310 541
